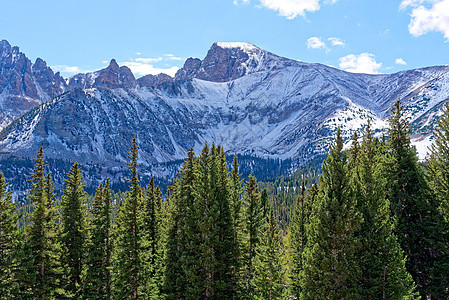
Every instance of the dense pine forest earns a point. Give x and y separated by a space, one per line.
374 225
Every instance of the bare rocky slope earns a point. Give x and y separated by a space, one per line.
247 99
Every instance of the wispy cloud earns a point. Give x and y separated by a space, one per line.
142 69
68 69
315 43
318 43
336 41
237 2
173 57
428 16
400 61
362 63
148 60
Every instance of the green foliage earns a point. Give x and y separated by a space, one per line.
73 233
438 165
97 281
253 222
381 260
269 269
151 243
420 226
330 264
10 244
298 236
127 267
42 250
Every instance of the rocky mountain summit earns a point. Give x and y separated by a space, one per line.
249 100
24 85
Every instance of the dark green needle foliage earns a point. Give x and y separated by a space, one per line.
330 262
73 234
269 269
97 282
127 267
10 244
420 226
42 250
381 259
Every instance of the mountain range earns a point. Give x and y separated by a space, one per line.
249 100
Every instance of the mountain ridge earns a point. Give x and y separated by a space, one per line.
249 100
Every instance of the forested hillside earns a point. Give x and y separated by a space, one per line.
374 225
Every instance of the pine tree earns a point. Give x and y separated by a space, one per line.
298 238
268 266
73 230
127 266
151 252
41 263
253 222
10 244
180 204
438 165
97 282
236 191
225 249
266 206
201 243
420 228
330 264
383 272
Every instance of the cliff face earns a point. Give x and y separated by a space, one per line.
24 85
246 99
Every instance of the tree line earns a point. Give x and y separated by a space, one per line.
374 226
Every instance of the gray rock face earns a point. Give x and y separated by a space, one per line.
153 80
24 85
111 77
228 61
240 96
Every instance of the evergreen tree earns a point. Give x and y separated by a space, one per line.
73 230
127 266
266 206
253 222
151 252
420 228
382 264
225 249
298 238
268 266
97 282
438 165
236 191
41 264
180 205
330 264
10 244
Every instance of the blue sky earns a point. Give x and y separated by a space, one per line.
152 36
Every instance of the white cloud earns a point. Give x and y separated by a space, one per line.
400 61
148 60
291 8
138 53
172 57
427 16
141 68
68 69
315 43
336 41
362 63
237 2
